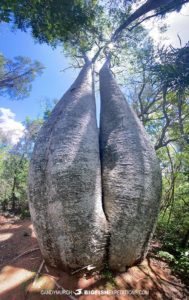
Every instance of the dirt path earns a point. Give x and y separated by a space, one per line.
152 279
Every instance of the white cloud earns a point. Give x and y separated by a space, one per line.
10 130
178 24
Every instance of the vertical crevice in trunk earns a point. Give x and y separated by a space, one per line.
131 178
65 181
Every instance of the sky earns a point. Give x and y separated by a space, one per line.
53 83
177 24
50 85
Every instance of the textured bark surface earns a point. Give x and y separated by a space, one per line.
65 181
131 177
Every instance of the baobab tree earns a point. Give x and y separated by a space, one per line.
76 224
65 181
131 179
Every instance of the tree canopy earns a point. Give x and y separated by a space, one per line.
79 21
17 75
50 21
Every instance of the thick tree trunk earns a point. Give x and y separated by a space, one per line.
65 181
131 177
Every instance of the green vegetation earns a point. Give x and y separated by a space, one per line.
158 87
14 163
108 275
50 21
17 75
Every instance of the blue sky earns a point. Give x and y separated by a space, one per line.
50 85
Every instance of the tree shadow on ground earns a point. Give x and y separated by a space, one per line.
20 264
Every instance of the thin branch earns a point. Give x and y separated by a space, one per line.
165 143
38 273
63 70
145 19
10 81
167 121
97 54
59 286
25 253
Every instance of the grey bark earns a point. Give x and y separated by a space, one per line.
131 177
65 181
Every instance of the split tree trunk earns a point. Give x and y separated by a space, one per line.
65 181
131 177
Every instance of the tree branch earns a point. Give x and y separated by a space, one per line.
163 5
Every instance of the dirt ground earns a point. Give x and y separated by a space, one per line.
24 275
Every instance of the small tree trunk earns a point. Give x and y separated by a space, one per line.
185 240
131 177
4 205
13 196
